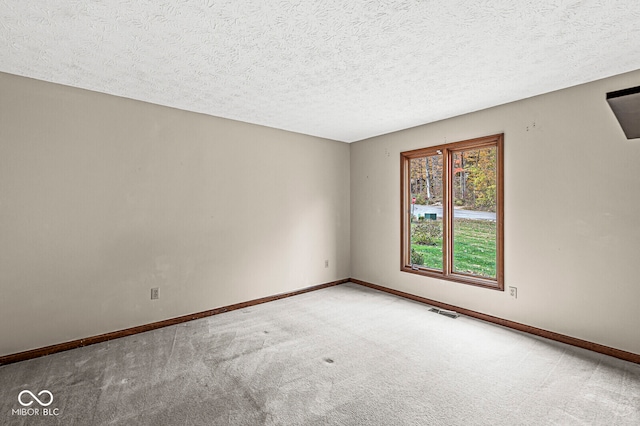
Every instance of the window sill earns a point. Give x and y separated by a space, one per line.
458 278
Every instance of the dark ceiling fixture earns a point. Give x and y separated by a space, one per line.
626 107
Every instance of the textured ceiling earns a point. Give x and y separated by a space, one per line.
344 70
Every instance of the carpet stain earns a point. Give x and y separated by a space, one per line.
328 360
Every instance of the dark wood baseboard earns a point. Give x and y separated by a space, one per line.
48 350
617 353
35 353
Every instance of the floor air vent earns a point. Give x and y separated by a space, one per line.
450 314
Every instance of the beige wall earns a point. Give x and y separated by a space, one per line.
572 214
103 198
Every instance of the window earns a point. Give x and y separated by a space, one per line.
452 212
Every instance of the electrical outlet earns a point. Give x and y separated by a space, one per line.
154 293
326 263
513 292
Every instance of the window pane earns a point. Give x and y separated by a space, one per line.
425 174
474 212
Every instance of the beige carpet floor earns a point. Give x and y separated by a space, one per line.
344 355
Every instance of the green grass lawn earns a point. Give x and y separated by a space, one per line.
474 251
